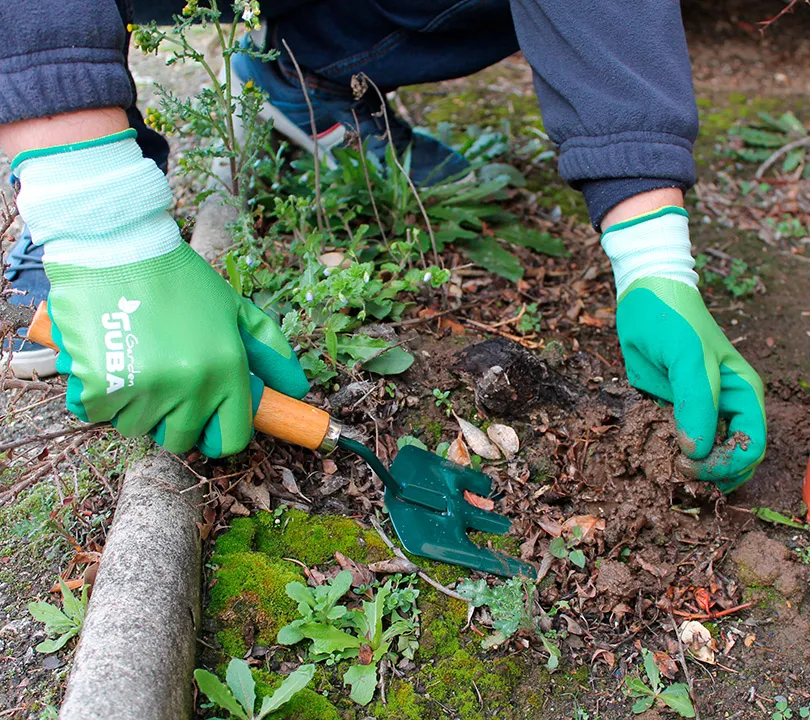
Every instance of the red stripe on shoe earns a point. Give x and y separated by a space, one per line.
322 135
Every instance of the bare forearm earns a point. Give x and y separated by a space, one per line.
641 204
61 129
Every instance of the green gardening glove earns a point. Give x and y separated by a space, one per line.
152 338
673 349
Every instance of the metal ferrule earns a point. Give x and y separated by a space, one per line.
329 441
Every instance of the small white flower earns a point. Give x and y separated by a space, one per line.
428 277
327 271
250 261
247 13
310 297
366 278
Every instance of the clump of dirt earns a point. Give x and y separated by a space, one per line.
765 563
616 580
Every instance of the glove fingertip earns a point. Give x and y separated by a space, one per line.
214 443
695 446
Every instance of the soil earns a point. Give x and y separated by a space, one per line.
591 445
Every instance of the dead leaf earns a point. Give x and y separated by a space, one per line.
329 466
667 666
458 453
333 259
481 503
256 495
505 438
604 656
620 610
573 626
698 639
704 600
394 565
477 440
590 320
552 527
74 584
365 655
589 524
749 640
361 574
654 570
731 641
455 328
527 546
289 483
315 577
237 508
205 527
90 573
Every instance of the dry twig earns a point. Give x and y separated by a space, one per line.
429 580
802 142
62 432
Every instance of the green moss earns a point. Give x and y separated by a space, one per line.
434 432
249 593
765 597
239 538
453 682
403 703
714 631
305 705
580 675
442 620
314 539
721 113
505 543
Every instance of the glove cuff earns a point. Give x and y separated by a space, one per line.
96 204
652 245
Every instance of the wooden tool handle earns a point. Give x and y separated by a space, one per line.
40 329
278 415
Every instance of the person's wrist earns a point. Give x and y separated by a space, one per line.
654 244
96 204
642 204
64 129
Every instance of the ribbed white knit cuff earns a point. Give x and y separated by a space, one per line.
657 246
98 206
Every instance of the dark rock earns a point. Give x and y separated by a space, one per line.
52 662
349 395
509 380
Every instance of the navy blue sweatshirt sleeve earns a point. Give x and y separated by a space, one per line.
62 55
615 87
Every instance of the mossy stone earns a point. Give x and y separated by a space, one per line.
249 592
314 539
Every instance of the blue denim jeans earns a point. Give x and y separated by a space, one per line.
394 42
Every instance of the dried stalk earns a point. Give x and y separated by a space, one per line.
436 258
314 128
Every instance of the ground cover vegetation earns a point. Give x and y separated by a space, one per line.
654 595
